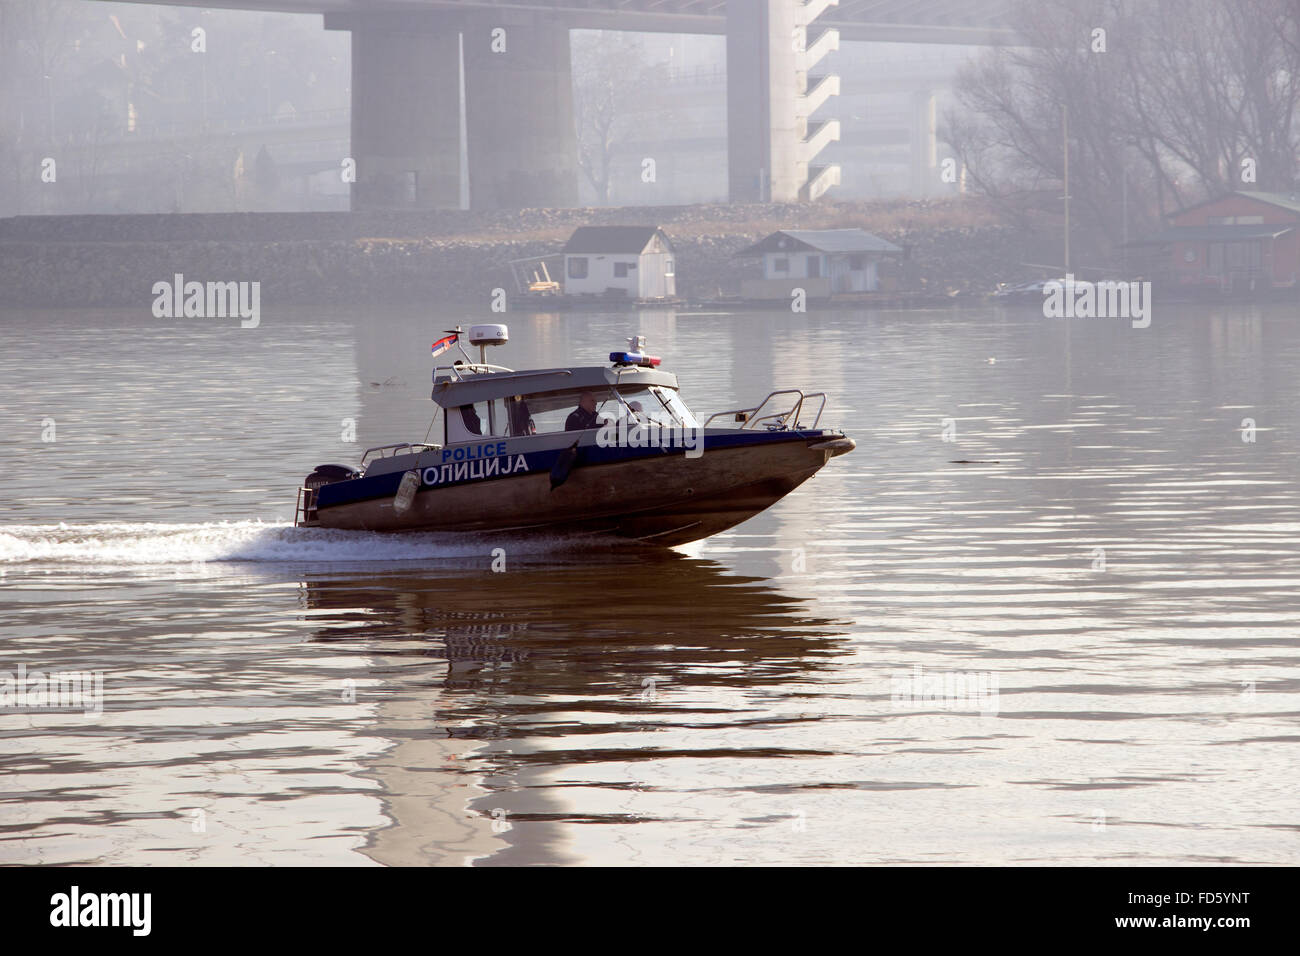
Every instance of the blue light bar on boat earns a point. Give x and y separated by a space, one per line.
634 358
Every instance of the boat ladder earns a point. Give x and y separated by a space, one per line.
304 510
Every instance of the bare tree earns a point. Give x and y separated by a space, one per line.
1168 102
36 41
612 80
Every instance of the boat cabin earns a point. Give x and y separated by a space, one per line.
479 403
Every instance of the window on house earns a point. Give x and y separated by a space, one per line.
857 263
814 267
781 265
1219 221
1250 220
621 269
578 267
668 268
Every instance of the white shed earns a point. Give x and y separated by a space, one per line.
636 261
823 261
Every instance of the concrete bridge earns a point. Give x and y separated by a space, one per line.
418 66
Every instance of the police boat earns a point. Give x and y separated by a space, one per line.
607 449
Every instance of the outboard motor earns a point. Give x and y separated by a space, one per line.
328 474
305 512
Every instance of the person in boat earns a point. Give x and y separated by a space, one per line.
584 416
473 424
521 422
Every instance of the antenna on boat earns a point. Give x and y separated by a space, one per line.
483 336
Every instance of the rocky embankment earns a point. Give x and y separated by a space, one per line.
461 256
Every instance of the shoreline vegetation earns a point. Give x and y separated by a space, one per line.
953 247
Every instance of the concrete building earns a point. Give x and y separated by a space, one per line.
822 262
1242 242
635 261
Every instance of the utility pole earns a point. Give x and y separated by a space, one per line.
1124 203
1065 137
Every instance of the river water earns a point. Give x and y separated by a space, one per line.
1079 647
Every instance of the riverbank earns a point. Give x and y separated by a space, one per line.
953 247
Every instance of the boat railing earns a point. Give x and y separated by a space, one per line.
460 368
387 451
781 418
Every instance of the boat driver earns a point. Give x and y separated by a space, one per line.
584 416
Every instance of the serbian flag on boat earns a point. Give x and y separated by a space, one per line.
444 343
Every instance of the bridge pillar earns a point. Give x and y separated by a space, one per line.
925 144
771 96
522 142
406 117
760 119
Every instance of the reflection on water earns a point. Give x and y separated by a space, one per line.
1123 561
553 669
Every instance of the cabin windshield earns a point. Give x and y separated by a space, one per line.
656 404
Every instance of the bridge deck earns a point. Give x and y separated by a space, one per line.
979 22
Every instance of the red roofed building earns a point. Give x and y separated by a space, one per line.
1241 242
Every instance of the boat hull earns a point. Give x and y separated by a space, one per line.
660 495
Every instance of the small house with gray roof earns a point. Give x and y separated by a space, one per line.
823 262
636 262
